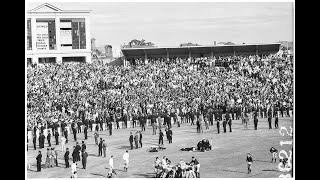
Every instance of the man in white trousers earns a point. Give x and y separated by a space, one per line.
126 160
63 144
111 166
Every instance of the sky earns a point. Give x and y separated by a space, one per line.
173 23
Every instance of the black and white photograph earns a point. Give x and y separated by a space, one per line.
159 89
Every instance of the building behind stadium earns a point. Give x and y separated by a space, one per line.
56 36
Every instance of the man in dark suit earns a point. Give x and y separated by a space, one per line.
218 124
56 135
39 160
78 148
84 159
100 147
85 132
79 126
66 135
110 128
255 120
49 138
170 135
160 137
74 134
34 140
136 140
131 140
90 124
66 158
224 123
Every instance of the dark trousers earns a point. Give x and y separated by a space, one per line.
276 124
75 136
100 151
288 113
125 124
140 142
281 112
224 126
56 161
192 122
270 124
110 131
170 139
84 163
101 127
38 166
198 129
74 159
85 135
143 128
90 128
79 129
134 123
230 127
232 114
255 126
57 140
118 127
67 162
49 143
131 145
161 141
218 127
34 145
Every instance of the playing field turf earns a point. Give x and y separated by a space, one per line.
225 160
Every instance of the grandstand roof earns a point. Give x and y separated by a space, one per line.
197 51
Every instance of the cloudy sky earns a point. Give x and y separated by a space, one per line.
172 23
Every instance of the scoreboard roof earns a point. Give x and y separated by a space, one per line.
203 50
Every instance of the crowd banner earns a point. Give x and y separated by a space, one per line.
30 136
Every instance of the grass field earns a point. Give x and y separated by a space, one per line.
225 160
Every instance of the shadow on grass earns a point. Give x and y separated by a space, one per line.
97 174
124 147
235 171
269 170
147 175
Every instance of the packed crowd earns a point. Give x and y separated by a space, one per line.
177 86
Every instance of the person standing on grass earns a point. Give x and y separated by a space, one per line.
276 125
34 140
56 135
136 140
131 140
249 161
85 132
96 137
140 139
56 157
49 139
255 121
66 158
63 144
66 134
83 147
169 135
100 147
270 118
104 147
111 166
84 159
39 160
160 137
126 160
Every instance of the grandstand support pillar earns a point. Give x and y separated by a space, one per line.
167 54
145 55
59 60
189 53
211 53
35 60
234 51
257 50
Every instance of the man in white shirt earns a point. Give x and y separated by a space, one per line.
111 166
126 160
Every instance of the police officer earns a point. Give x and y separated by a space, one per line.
39 160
